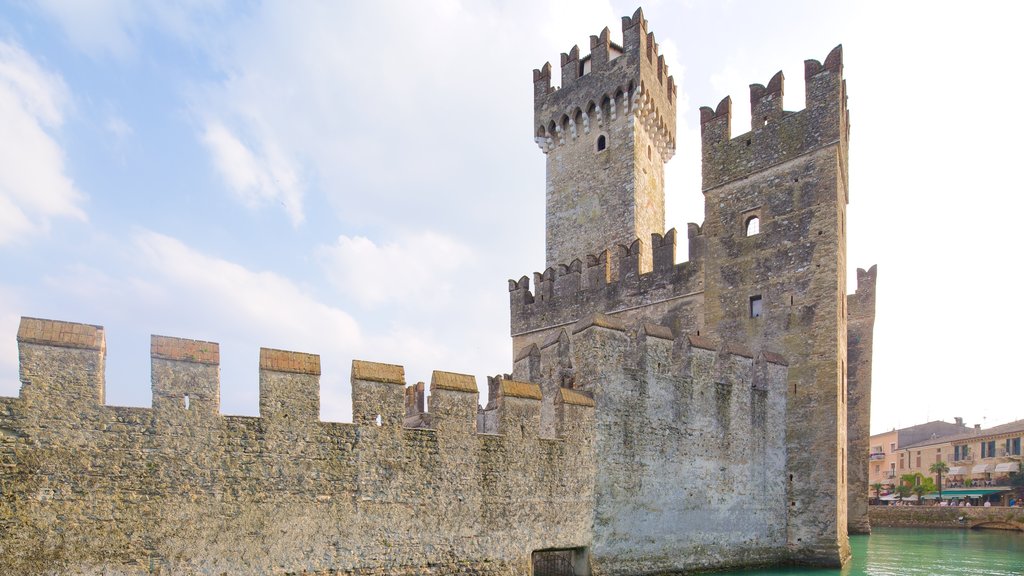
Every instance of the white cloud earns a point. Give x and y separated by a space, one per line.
97 26
33 187
248 301
10 317
413 270
118 128
256 179
117 27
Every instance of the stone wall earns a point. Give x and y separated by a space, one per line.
999 517
180 489
690 445
859 345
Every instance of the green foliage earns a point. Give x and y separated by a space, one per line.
919 491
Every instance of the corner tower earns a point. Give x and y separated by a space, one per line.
775 277
607 133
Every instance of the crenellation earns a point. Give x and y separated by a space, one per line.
176 489
610 281
185 377
776 136
766 102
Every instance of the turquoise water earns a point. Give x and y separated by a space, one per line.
912 552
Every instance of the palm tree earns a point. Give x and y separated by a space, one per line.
877 487
902 491
939 468
919 492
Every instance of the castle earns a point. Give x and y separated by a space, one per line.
659 417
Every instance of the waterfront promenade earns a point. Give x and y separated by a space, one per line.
947 517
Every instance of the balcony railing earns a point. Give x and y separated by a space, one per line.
876 456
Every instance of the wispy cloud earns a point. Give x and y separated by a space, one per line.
33 185
413 270
256 178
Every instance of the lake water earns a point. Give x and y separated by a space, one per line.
912 552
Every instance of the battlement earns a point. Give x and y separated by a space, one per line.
179 488
62 381
609 281
776 135
611 83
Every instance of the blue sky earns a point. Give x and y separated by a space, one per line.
358 180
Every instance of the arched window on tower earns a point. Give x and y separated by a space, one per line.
602 142
753 225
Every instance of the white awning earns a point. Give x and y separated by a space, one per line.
894 498
1008 467
981 468
957 471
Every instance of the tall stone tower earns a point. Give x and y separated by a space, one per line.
605 171
775 276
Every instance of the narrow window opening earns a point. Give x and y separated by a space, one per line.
796 179
753 226
187 402
602 143
765 123
790 299
648 152
748 141
583 67
377 420
755 306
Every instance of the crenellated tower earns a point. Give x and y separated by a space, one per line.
775 277
607 133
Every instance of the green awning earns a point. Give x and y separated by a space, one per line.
950 494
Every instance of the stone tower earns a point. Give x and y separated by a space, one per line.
775 276
728 371
607 133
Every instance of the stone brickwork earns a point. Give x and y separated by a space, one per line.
690 441
607 133
859 345
774 293
180 489
996 517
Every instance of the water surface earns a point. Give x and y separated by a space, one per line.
912 552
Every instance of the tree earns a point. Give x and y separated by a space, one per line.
877 487
939 468
902 491
919 491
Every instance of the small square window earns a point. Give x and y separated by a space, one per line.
755 306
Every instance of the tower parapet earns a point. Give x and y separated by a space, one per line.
610 83
776 135
607 283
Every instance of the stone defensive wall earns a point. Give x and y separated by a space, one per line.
613 283
690 444
611 82
995 517
776 135
178 488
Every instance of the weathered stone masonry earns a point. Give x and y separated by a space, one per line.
180 489
774 291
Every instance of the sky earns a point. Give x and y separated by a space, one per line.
359 180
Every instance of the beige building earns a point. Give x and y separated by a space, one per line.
889 458
980 459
